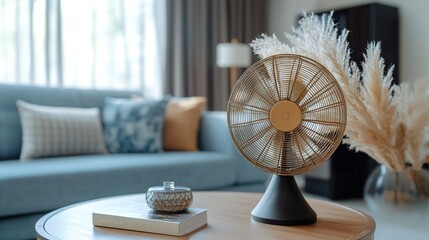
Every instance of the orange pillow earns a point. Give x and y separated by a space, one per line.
181 123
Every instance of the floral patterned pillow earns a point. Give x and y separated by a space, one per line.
134 125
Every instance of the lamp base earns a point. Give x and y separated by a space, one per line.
283 204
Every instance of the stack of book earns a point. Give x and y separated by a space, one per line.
137 216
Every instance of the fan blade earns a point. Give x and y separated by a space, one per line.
310 85
244 124
263 82
248 107
324 108
318 96
276 77
294 77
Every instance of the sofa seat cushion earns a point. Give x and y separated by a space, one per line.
48 184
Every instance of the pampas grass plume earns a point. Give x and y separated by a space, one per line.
389 123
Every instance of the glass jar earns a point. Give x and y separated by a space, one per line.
169 198
403 195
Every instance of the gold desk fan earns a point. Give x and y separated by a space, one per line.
286 116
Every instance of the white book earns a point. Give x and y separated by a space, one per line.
137 216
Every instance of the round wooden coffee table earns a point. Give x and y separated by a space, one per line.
228 218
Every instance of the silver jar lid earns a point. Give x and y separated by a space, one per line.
169 187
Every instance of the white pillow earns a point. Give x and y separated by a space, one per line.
58 131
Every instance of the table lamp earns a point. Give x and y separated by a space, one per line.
233 55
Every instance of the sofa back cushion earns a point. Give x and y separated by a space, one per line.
182 122
10 127
134 125
59 131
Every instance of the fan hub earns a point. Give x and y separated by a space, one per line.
285 115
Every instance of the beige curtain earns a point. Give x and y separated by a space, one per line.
194 28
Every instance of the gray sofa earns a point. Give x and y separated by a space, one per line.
29 190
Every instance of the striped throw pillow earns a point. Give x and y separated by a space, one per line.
59 131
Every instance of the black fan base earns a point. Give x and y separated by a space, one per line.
283 204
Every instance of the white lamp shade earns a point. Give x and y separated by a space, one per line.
233 55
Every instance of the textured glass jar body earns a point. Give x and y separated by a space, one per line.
402 195
169 198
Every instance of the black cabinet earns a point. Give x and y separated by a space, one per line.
372 22
348 170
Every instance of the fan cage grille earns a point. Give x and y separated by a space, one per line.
301 80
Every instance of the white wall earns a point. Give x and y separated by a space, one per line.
282 14
413 27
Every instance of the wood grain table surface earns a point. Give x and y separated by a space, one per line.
228 218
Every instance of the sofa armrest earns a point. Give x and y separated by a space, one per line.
214 136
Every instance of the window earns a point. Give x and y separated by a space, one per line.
102 44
